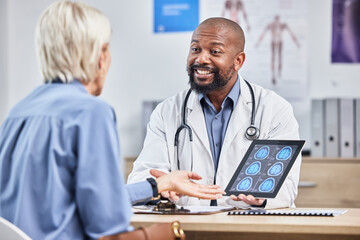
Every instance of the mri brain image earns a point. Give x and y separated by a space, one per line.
262 153
267 185
284 154
244 184
276 169
254 168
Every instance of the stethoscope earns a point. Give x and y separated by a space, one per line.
251 132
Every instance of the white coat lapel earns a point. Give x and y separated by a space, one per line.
196 120
240 118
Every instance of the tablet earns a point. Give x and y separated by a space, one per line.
264 168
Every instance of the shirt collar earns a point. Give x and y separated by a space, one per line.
78 85
75 82
233 95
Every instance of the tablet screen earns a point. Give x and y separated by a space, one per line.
264 168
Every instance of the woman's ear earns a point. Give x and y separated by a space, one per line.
239 61
103 55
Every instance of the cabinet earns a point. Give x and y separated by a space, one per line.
329 182
129 161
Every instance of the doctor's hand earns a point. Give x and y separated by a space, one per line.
172 196
180 183
249 199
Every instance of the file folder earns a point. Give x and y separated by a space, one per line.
317 128
357 127
332 127
347 137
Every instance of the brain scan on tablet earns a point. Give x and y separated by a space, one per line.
264 168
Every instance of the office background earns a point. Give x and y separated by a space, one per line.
149 66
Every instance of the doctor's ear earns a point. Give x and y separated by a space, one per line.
239 61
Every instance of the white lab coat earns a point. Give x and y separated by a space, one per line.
274 117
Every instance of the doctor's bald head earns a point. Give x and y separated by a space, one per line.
232 30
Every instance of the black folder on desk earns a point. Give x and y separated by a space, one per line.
291 212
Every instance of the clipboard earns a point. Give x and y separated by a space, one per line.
188 210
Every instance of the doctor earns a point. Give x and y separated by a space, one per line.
208 128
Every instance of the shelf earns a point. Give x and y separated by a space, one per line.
330 160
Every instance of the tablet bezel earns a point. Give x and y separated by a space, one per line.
298 143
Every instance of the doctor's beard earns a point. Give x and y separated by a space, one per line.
218 82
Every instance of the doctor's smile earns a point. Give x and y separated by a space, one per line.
202 72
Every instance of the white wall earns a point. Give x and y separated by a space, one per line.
326 79
3 60
149 66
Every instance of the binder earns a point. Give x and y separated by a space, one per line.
357 127
332 143
317 128
347 138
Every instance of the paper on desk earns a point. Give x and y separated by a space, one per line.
194 210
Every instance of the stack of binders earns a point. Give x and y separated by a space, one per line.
335 124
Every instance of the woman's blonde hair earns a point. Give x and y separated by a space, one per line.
69 40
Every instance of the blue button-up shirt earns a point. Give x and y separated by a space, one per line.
217 122
60 172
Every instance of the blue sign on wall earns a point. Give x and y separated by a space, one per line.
175 15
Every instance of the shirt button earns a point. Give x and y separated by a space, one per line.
217 144
216 117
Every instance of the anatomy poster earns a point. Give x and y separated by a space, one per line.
346 31
276 41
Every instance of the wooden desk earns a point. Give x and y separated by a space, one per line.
224 227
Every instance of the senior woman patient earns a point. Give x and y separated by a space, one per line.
59 148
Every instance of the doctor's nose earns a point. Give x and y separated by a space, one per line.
203 58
